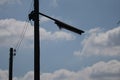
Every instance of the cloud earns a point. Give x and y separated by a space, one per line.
99 71
59 35
2 2
3 74
106 71
29 76
101 43
11 29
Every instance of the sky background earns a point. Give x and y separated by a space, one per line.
94 55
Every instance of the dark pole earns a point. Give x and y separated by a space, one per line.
36 41
11 64
34 15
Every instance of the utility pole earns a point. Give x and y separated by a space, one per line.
34 15
36 42
11 63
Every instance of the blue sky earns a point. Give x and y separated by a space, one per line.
94 55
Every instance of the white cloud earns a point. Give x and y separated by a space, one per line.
101 43
3 74
59 35
29 76
99 71
2 2
11 29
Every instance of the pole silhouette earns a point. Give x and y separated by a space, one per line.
36 42
34 15
11 63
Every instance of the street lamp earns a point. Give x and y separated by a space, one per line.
61 25
34 15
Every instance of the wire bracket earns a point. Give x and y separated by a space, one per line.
32 16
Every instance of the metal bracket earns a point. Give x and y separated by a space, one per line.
32 16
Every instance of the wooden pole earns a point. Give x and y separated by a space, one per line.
36 41
34 15
11 64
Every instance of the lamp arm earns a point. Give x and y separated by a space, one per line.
61 24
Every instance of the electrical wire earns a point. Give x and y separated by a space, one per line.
22 35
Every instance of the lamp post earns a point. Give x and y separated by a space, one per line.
34 15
